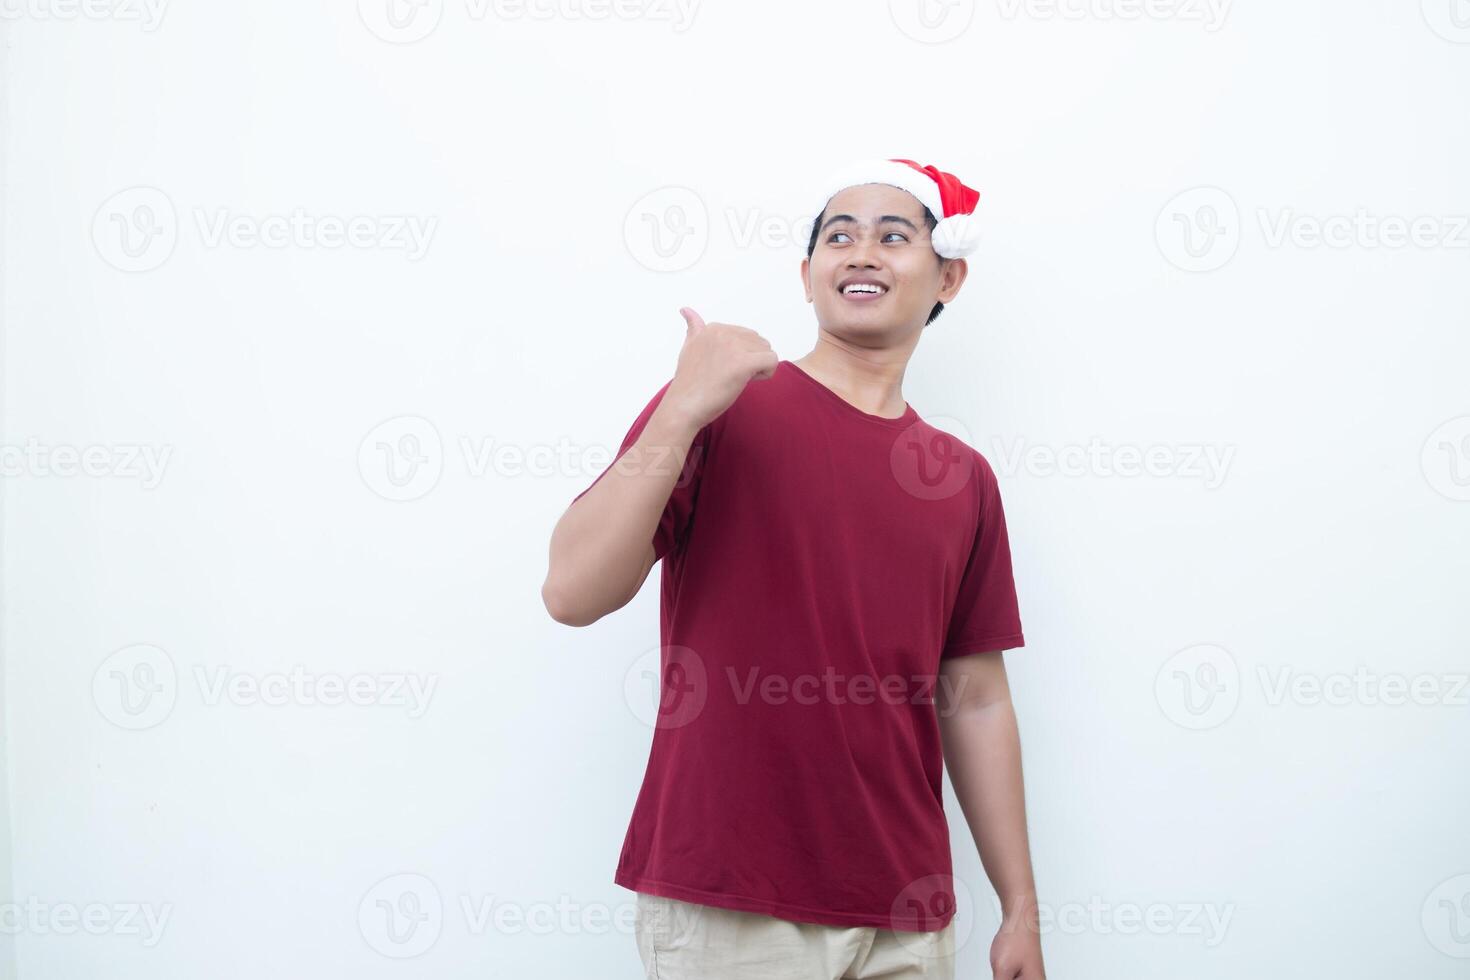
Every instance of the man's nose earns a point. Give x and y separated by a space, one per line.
863 253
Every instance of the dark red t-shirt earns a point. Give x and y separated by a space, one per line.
818 562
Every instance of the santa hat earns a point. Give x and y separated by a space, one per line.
951 202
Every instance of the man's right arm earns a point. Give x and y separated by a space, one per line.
602 547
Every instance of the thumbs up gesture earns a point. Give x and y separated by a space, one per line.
716 363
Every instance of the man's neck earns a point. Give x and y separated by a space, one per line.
869 379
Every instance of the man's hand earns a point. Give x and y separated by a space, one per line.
715 364
1016 952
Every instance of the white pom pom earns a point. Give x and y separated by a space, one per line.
956 236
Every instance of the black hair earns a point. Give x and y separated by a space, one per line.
929 222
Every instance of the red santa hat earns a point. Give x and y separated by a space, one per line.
950 201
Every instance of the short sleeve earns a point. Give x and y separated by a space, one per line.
986 615
673 526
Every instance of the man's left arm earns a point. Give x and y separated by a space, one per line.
982 752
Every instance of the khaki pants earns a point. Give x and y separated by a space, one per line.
680 940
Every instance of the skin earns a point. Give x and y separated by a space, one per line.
601 551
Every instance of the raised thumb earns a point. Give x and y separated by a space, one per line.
694 320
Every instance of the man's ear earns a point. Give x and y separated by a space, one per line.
951 278
805 282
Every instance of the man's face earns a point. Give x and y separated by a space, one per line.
875 233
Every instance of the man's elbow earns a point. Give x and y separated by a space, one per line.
563 608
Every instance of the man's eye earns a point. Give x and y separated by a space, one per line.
901 236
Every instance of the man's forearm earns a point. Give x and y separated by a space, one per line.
982 751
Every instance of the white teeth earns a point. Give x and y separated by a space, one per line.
862 287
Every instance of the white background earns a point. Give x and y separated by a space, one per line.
327 495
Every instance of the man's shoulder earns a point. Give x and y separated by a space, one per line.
955 436
761 400
948 445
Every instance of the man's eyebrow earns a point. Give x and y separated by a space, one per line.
887 217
